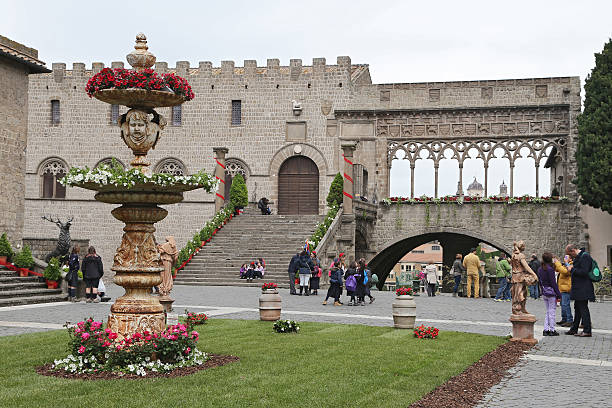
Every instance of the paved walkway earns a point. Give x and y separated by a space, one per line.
560 371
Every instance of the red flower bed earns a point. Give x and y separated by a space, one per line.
423 332
403 291
147 79
269 285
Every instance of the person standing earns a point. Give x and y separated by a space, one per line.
351 283
534 264
335 283
92 272
432 279
458 271
291 271
305 268
503 272
73 274
582 290
471 262
564 281
316 274
550 292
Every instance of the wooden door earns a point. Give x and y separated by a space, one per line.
298 186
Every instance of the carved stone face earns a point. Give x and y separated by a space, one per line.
137 129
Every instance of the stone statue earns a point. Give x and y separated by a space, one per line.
140 133
522 276
168 254
63 242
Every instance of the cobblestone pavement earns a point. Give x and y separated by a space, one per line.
560 371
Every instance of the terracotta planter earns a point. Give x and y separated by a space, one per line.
404 312
51 284
3 259
269 305
23 272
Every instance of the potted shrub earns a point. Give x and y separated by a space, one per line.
24 260
269 302
404 308
52 273
239 197
6 251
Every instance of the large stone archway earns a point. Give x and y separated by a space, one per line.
452 240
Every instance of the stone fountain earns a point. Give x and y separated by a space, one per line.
137 262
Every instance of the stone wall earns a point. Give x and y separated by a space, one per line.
543 227
41 247
13 138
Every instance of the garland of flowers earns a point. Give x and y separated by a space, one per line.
148 79
322 227
203 237
467 199
115 175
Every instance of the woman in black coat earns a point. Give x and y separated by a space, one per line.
582 290
73 274
92 272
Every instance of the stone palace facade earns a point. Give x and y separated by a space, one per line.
284 126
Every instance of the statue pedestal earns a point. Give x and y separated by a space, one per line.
522 328
166 302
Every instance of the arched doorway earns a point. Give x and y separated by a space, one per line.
298 186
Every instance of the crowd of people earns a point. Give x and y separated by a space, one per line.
253 270
305 271
560 280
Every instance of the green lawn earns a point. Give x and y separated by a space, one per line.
325 365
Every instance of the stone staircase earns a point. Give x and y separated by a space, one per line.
275 238
15 290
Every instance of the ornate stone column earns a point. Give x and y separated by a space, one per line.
511 179
461 177
537 169
486 179
220 153
348 191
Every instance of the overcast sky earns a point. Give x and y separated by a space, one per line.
403 41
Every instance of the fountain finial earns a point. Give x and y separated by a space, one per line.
141 58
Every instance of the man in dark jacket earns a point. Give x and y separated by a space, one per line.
582 290
293 265
534 264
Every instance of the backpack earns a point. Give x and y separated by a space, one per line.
351 283
595 273
365 276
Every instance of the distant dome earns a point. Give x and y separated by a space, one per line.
475 185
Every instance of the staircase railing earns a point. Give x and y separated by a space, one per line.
327 239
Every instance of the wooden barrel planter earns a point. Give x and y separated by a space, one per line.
269 305
404 312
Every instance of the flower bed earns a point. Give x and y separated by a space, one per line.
115 175
286 326
423 332
467 199
148 79
94 349
195 319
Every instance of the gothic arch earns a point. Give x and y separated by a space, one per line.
108 161
298 149
171 165
50 171
235 166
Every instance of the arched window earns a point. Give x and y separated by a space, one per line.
51 172
171 166
109 161
232 168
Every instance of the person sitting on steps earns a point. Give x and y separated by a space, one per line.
263 205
